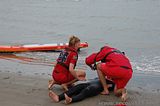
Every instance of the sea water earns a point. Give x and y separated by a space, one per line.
132 26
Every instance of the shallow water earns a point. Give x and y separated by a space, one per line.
132 26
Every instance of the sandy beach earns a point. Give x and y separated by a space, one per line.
20 90
132 26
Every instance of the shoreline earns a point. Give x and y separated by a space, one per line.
131 26
23 90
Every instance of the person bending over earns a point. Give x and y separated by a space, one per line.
114 65
64 72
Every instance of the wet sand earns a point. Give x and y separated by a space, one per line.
20 90
130 25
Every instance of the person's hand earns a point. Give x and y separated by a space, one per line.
81 78
92 68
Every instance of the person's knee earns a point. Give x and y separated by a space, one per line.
98 66
81 73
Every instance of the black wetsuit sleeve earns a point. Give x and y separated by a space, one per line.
75 90
87 92
82 91
93 89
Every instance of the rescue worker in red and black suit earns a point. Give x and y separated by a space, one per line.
114 65
64 72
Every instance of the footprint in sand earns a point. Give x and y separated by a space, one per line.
35 73
33 90
6 78
19 72
42 73
138 93
7 71
49 74
140 88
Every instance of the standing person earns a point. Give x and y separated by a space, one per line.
64 72
114 65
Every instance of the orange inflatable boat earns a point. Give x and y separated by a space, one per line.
37 47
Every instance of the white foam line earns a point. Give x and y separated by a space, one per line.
50 44
40 45
33 45
61 44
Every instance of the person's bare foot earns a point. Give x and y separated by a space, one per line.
64 87
53 96
68 100
105 92
50 84
124 96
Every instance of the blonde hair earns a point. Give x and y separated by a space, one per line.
73 40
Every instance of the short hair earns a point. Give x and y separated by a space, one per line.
73 40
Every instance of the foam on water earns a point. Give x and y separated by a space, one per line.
147 64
